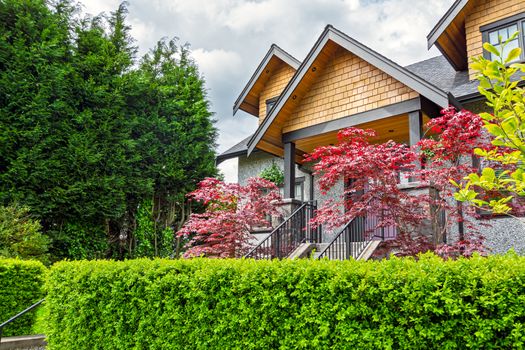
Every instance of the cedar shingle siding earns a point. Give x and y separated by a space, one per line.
347 85
274 86
486 12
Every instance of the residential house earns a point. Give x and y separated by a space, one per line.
343 83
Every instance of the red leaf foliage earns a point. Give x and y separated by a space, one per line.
223 230
374 190
445 157
372 170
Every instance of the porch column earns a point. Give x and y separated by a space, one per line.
289 170
415 125
415 131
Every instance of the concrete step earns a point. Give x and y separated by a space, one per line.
369 250
25 342
303 251
365 254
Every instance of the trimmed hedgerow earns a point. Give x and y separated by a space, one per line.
21 285
302 304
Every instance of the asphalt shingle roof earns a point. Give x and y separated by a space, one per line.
234 151
440 73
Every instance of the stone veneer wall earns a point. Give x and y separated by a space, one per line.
501 234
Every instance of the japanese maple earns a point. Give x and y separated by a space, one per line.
372 174
447 159
231 210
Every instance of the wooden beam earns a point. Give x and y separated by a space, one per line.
353 120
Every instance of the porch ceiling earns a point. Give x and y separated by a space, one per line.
394 128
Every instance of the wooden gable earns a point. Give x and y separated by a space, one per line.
277 79
483 13
347 85
270 77
340 79
457 35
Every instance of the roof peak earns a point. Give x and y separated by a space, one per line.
274 51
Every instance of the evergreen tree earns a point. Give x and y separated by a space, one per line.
86 137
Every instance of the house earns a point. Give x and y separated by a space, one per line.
343 83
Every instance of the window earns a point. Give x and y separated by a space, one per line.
270 103
505 28
299 188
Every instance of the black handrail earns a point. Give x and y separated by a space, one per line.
2 325
286 237
353 238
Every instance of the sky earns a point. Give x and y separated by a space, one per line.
229 38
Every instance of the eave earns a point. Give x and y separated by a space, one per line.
449 34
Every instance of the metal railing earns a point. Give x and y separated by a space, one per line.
286 237
2 325
355 236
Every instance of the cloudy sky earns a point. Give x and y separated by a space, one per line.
229 38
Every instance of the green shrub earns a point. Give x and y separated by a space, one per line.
21 285
301 304
20 235
274 174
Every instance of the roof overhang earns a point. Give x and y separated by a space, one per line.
424 88
275 53
449 34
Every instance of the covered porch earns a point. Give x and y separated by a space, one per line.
402 122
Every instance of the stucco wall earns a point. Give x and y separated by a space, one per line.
253 165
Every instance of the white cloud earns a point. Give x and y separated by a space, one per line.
255 16
95 7
216 64
230 37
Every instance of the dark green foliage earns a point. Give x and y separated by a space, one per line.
301 304
86 134
22 283
20 235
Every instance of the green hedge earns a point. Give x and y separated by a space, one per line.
302 304
21 285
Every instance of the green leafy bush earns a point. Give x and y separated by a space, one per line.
21 285
274 174
302 304
20 235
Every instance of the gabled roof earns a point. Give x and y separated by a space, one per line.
449 34
273 53
391 68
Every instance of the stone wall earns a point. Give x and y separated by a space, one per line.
501 234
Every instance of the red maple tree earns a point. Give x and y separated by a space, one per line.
373 171
231 210
446 157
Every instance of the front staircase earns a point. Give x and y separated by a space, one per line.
289 235
296 238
